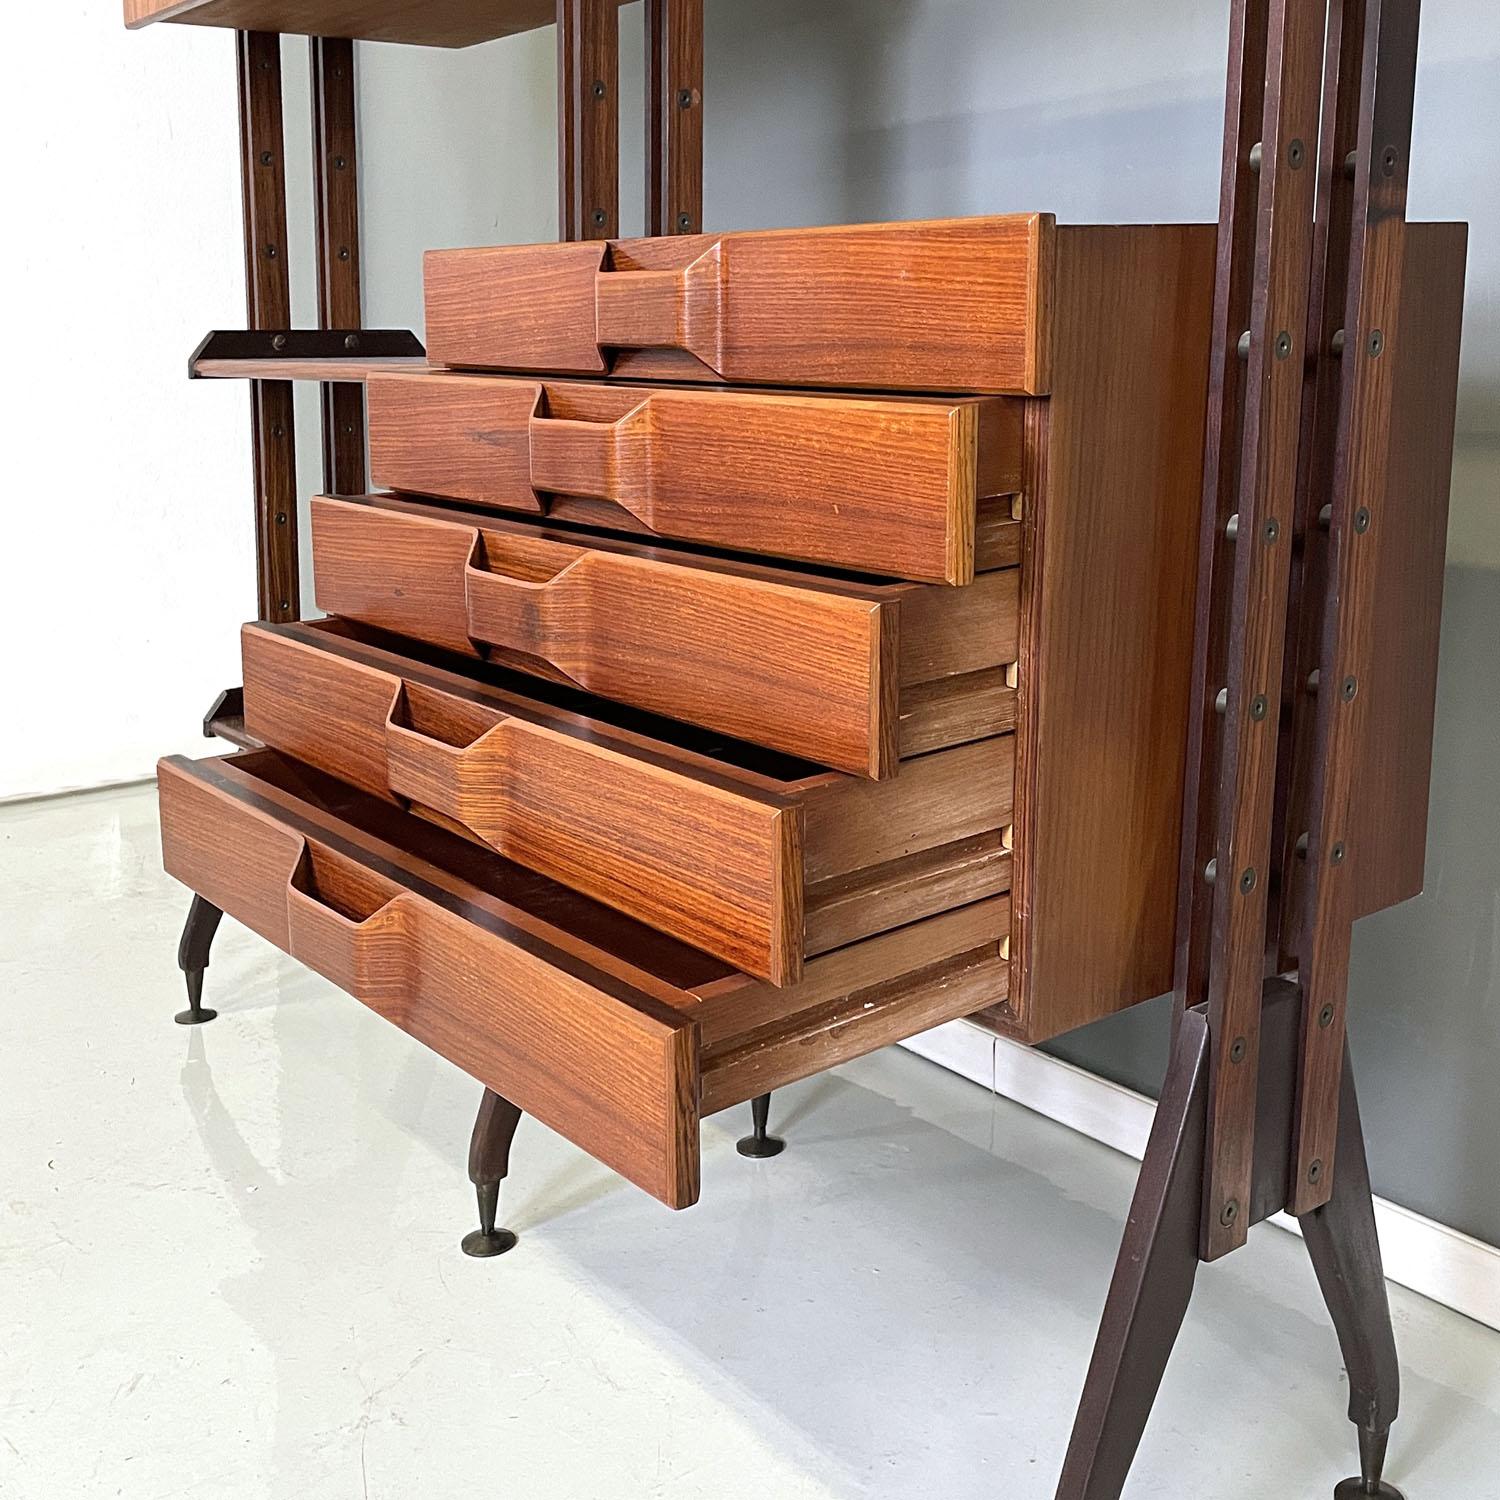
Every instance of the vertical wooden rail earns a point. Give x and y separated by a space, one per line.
1371 332
263 183
336 195
588 119
1243 107
674 116
1342 77
1248 697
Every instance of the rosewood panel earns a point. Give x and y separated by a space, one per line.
945 305
584 1021
714 866
1106 634
612 1068
884 485
720 847
826 669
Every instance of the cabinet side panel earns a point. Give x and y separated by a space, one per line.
1106 665
1396 760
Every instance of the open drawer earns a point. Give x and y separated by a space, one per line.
612 1034
752 856
850 673
942 305
891 485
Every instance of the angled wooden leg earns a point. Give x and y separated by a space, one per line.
192 958
1345 1252
758 1143
1152 1285
489 1163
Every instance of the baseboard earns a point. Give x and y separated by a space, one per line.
1420 1254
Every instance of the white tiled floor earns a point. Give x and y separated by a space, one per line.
229 1266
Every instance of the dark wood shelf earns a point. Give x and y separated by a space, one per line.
424 23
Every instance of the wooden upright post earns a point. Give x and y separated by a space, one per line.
674 116
1245 564
268 296
588 119
336 194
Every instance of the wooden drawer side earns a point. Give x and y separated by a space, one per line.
620 1081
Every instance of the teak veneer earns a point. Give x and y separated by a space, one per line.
614 1035
850 673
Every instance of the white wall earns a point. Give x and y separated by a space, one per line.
127 559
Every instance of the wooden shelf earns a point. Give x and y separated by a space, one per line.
353 370
424 23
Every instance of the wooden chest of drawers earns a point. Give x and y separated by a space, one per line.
672 741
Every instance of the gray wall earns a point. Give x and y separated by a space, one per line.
874 109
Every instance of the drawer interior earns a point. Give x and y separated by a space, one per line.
612 1033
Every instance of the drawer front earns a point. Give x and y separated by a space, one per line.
615 1037
886 486
942 305
611 1068
832 673
715 865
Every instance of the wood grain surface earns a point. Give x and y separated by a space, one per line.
1106 633
718 854
718 867
428 23
1393 781
883 485
545 998
611 1068
770 655
940 305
